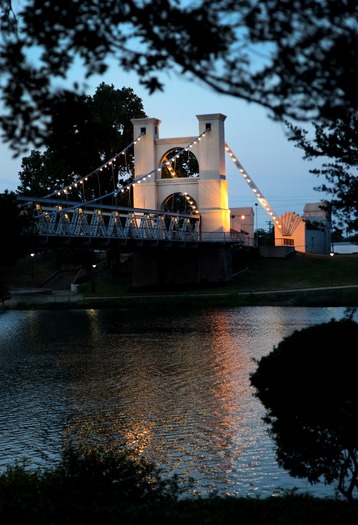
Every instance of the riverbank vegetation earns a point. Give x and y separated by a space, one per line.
93 486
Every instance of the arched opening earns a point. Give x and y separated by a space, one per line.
180 203
179 164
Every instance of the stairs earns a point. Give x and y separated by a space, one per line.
62 279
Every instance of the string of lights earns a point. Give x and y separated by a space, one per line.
64 190
264 203
138 180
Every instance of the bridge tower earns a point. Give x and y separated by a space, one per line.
209 189
206 191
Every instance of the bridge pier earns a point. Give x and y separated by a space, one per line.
175 266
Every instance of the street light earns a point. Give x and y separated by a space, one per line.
331 254
93 282
243 230
32 265
257 225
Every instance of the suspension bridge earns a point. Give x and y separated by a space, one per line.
180 200
61 220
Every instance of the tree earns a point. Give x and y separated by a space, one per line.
336 142
297 58
4 294
266 237
38 175
16 227
308 387
85 133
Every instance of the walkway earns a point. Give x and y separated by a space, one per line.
37 296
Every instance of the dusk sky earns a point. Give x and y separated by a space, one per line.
274 164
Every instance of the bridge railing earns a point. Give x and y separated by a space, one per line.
237 238
125 224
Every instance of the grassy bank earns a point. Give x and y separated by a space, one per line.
298 280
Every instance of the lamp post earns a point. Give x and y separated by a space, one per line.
331 255
243 230
32 266
257 225
93 280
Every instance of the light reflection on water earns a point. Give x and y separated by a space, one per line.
175 384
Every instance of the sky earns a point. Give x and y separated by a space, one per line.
275 165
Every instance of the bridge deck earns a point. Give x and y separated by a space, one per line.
69 223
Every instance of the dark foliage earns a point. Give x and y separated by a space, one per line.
84 134
86 486
297 58
113 488
336 143
16 228
4 294
308 387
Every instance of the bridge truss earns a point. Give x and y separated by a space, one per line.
64 223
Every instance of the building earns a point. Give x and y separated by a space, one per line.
242 224
310 233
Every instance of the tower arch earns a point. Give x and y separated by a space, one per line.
182 203
179 164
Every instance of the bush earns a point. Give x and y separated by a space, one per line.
86 485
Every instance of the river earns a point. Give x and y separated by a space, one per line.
174 383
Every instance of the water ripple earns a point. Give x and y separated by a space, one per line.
175 385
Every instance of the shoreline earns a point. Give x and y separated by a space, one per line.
37 298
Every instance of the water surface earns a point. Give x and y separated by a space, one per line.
174 383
